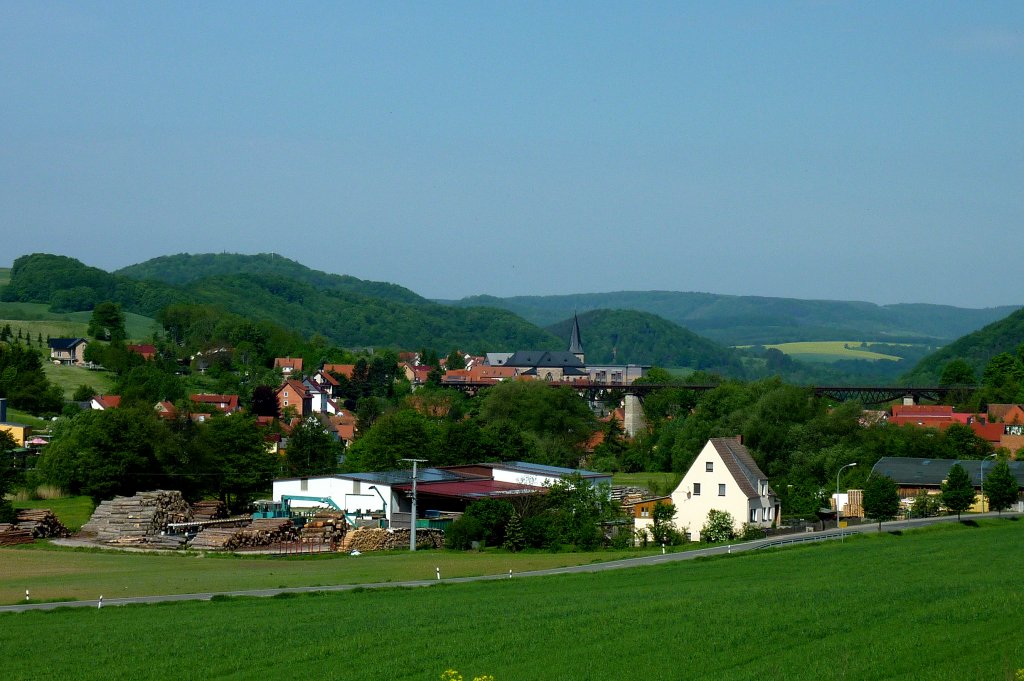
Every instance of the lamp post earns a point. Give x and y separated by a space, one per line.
842 536
983 480
412 518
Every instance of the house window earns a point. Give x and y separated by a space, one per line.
709 466
721 490
644 513
764 514
304 485
753 515
696 489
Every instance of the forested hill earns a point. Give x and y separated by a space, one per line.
185 268
976 349
753 320
628 336
345 319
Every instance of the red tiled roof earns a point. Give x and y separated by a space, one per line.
289 364
340 369
225 403
108 401
147 351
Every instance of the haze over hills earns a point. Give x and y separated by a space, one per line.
756 320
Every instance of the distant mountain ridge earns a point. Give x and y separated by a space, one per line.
754 320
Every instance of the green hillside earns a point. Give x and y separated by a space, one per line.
628 336
185 268
345 318
977 348
756 320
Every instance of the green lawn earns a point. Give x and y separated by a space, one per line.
36 318
658 483
70 377
931 605
72 511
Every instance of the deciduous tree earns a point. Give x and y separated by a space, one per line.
957 490
1001 487
881 499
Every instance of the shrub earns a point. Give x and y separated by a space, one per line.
719 527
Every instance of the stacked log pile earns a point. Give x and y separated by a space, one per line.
11 534
143 515
209 509
376 539
42 523
261 533
325 527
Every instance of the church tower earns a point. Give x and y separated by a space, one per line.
575 345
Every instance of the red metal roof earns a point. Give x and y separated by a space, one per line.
472 489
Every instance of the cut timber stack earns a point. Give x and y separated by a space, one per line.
261 533
375 539
209 509
325 528
12 534
41 522
144 515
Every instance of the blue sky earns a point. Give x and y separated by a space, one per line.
846 150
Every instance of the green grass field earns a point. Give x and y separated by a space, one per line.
659 483
70 377
55 573
936 604
72 511
36 318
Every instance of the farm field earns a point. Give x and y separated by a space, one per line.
56 573
831 351
926 605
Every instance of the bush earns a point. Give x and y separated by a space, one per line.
751 531
463 532
719 527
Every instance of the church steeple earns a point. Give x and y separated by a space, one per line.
575 345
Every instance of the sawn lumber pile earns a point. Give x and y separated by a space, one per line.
143 515
376 539
41 522
209 509
262 532
11 534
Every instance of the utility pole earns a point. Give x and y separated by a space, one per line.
412 517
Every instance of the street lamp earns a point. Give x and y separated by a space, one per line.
841 535
983 480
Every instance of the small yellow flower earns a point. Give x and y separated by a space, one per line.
450 675
485 677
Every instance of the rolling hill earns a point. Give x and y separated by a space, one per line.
976 348
756 320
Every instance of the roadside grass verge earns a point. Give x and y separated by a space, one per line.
922 606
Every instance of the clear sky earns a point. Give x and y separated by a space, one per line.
847 150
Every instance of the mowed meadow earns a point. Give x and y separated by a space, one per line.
940 603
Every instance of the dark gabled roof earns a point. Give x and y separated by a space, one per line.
740 464
911 471
547 359
473 489
65 343
542 469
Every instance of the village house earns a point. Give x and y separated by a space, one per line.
288 365
67 350
724 477
227 404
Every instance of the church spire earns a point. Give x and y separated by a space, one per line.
575 345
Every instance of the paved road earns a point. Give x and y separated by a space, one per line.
575 569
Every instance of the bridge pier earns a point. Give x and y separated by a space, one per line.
635 421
